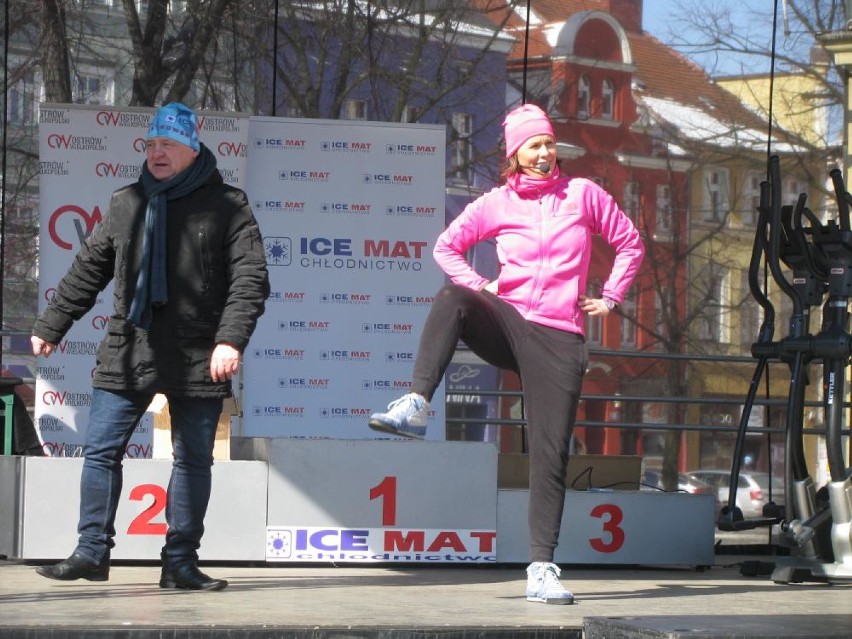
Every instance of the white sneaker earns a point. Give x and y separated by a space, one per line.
543 584
406 416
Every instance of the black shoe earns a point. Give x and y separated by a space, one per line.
189 577
76 567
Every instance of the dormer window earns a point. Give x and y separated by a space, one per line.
583 96
608 100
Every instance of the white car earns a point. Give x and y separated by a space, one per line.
752 489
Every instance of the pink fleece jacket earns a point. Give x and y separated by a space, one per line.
543 229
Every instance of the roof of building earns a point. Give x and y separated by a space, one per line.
671 91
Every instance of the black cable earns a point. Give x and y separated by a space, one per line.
771 80
772 58
526 55
3 164
275 63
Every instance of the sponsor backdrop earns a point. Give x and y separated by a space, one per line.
349 213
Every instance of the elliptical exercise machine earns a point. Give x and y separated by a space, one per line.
816 525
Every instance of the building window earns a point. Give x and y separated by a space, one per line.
607 100
714 325
410 114
88 90
751 198
629 319
715 195
355 110
23 100
631 200
664 210
583 96
462 148
791 190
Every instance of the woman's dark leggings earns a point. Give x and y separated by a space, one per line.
550 364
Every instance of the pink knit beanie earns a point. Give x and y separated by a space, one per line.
522 123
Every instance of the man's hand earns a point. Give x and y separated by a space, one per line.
224 363
40 347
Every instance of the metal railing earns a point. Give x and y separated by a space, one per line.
662 399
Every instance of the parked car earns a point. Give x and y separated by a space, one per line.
752 489
653 480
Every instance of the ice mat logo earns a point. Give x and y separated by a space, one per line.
286 297
409 300
411 149
407 210
345 146
279 206
279 144
380 545
304 326
279 251
344 412
387 328
341 355
386 385
275 410
300 175
397 357
304 383
388 179
344 298
346 208
279 353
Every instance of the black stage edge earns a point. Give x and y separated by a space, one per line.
273 632
719 627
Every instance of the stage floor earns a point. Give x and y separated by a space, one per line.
423 602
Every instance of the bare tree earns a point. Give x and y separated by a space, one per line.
402 59
164 51
54 52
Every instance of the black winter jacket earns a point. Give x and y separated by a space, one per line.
217 287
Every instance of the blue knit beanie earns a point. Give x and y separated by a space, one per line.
176 121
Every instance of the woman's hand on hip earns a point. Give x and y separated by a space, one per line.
594 305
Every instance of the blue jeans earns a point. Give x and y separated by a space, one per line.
112 419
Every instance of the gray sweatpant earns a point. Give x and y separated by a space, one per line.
550 363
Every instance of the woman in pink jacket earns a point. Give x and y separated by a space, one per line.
530 320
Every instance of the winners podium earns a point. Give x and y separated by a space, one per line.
357 501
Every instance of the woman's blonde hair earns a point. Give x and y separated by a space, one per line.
511 167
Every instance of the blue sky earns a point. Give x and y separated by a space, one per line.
656 15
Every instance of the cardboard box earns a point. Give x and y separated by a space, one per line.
618 472
162 444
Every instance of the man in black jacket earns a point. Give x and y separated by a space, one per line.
186 257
